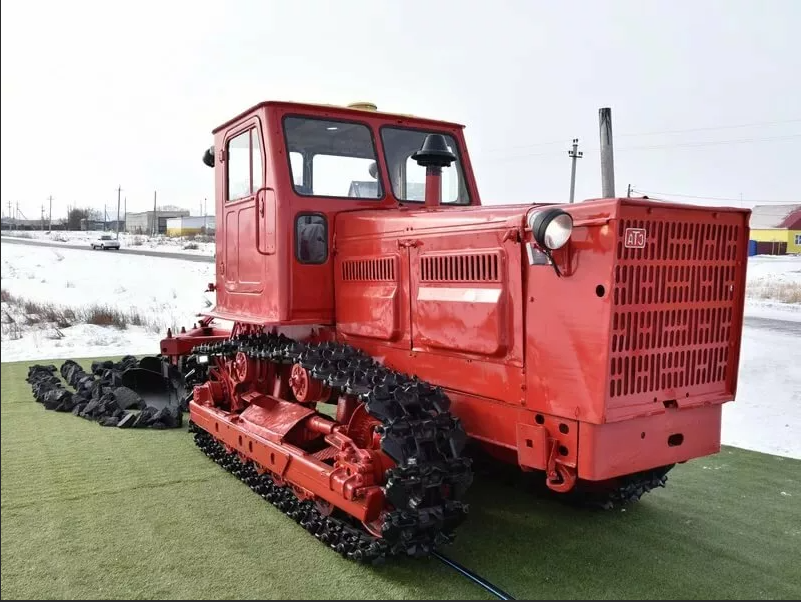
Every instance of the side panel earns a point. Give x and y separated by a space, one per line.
466 296
370 300
567 323
372 290
465 309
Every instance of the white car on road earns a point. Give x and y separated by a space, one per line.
106 241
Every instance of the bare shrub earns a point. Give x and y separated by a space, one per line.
47 313
191 246
786 292
783 292
59 316
104 316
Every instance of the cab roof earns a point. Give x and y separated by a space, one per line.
350 111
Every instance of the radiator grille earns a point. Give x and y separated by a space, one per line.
673 306
464 267
377 269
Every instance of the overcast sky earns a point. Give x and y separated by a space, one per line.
101 94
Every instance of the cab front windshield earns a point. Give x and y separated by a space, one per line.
334 158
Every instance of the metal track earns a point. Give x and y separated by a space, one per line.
417 431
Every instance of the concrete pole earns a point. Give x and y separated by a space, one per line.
50 216
119 189
607 154
573 154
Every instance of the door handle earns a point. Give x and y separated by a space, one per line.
259 207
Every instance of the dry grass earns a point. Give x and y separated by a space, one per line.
784 292
34 312
105 316
47 313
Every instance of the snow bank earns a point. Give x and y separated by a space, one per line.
162 292
773 287
165 244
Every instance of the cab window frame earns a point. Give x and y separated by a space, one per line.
379 170
255 142
463 184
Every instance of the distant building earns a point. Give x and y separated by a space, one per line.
187 226
99 224
775 230
142 223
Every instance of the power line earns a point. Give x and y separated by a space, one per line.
710 198
719 127
658 133
657 146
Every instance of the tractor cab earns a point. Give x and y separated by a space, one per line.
284 171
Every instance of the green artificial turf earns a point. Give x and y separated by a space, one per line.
93 512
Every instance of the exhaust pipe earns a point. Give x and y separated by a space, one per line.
607 154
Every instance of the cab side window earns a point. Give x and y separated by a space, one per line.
244 158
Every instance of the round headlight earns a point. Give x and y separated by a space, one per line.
551 228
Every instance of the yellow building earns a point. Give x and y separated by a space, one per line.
776 229
187 226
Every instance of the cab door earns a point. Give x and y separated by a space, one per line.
242 264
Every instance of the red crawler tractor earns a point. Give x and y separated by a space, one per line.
380 316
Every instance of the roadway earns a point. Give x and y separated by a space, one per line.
162 254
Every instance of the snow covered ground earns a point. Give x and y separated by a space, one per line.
192 245
766 415
157 293
773 288
163 293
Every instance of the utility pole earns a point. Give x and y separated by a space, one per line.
155 215
9 210
125 209
573 154
50 216
119 189
628 193
607 154
42 219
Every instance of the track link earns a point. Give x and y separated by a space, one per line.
342 537
417 431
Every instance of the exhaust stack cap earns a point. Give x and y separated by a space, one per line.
434 153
